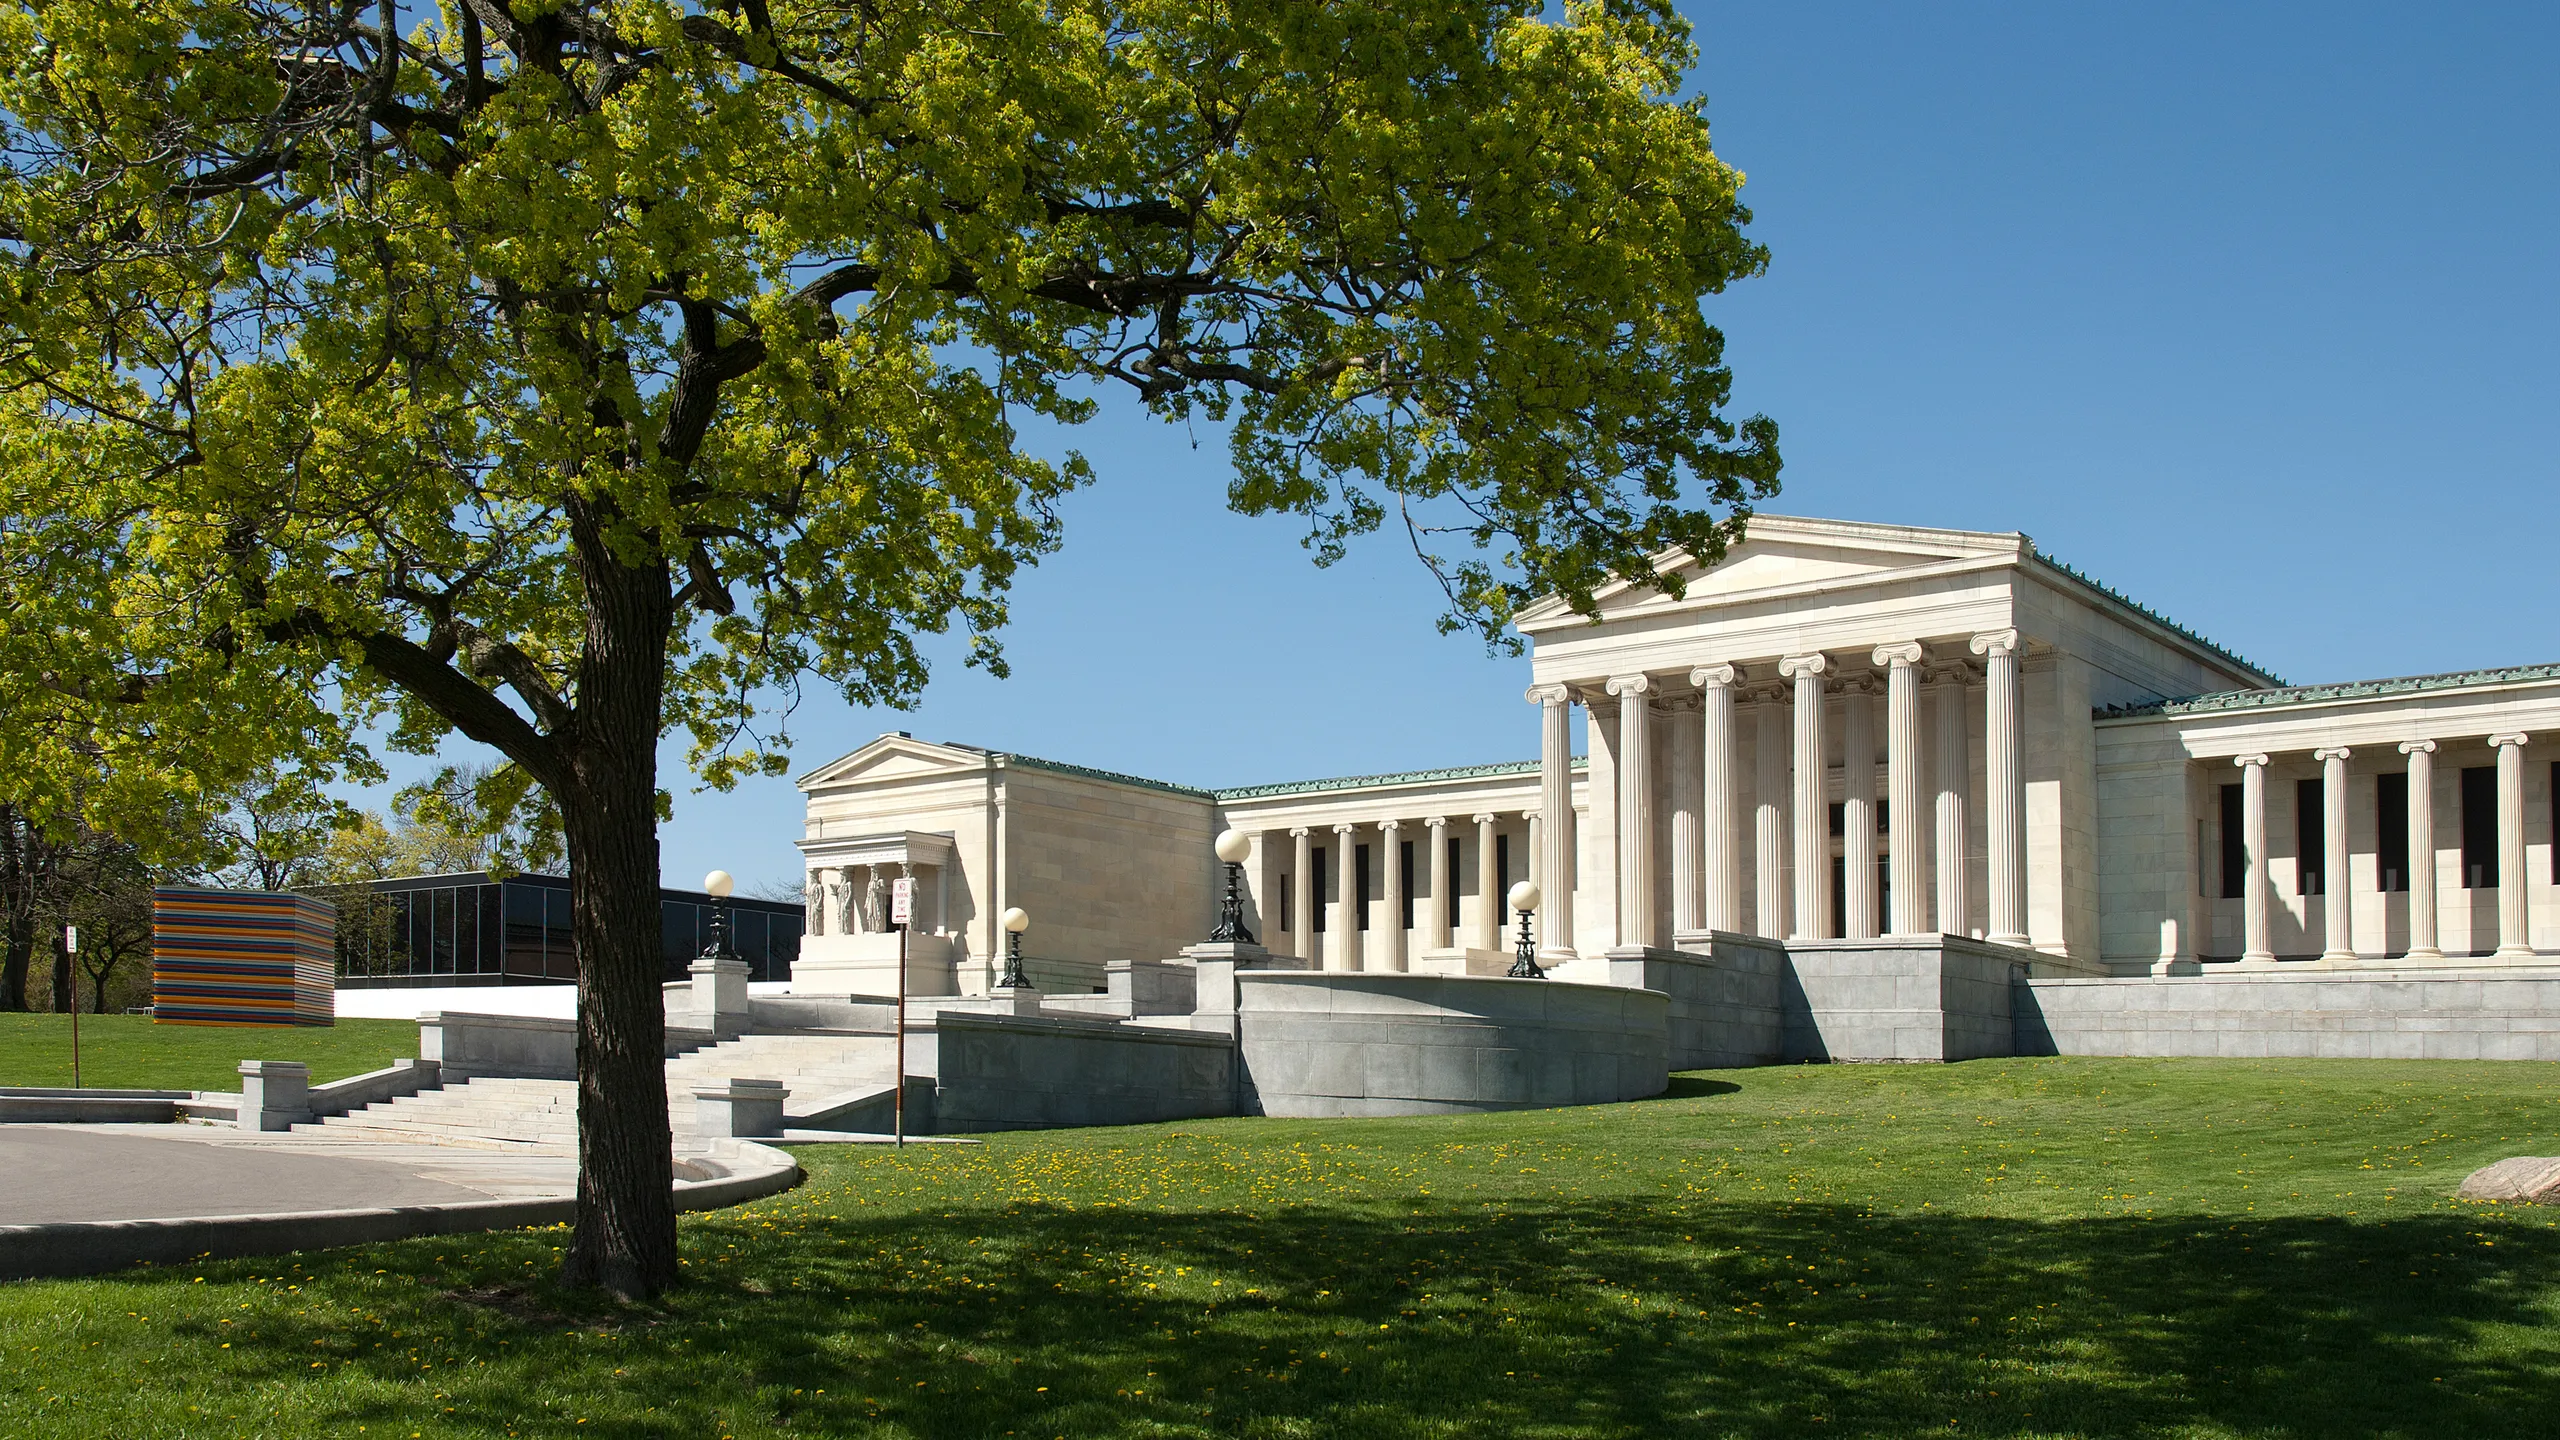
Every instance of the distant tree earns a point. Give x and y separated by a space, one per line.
566 373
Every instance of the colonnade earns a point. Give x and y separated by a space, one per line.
1788 698
854 899
1345 947
2337 891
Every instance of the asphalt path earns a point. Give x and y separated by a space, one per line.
50 1174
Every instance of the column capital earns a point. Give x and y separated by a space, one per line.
1900 655
1558 693
1630 684
1714 676
1346 827
1437 822
2246 761
1996 642
2417 747
2512 737
1300 832
1529 814
1486 818
2331 752
1792 666
1390 826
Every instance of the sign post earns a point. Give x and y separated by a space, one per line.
71 947
902 904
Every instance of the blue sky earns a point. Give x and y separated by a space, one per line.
2248 311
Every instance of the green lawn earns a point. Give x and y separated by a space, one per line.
128 1052
2048 1247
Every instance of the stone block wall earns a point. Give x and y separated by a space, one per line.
1012 1072
1938 998
1412 1044
2414 1014
1726 994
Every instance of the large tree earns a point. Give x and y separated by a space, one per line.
562 372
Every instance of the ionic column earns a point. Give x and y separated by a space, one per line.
1390 955
1688 830
1858 811
2337 913
1635 810
1488 933
1723 877
1435 918
1769 822
2004 774
1812 800
2422 849
1955 765
1556 829
1902 785
1344 952
2256 951
2515 936
1303 897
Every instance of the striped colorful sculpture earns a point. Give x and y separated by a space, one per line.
242 957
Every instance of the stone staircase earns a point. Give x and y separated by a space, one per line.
542 1115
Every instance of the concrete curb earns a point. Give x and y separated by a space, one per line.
96 1247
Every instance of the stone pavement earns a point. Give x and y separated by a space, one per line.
148 1172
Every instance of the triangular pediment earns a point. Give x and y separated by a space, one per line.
893 757
1782 553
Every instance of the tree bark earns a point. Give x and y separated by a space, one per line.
62 1001
17 913
626 1222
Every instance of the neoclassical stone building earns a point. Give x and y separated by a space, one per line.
1842 733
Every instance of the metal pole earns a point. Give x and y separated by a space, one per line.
71 948
898 1097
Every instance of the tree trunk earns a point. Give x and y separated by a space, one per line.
626 1221
17 915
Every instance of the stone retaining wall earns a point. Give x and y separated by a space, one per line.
1319 1044
2414 1014
1941 997
1021 1072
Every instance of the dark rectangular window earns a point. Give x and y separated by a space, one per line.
2310 839
1449 902
2235 851
2480 827
1404 881
1839 821
443 935
1360 889
1285 898
1502 865
2554 792
523 906
560 936
1884 817
2391 824
1317 873
1839 886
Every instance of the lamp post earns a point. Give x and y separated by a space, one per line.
1233 846
1524 898
718 885
1015 922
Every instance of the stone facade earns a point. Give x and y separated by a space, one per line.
1841 734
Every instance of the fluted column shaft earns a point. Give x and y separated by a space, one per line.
1858 811
1435 916
1902 786
1955 766
1812 800
1488 928
1388 954
2422 849
2257 951
1636 925
1303 897
1769 821
2337 910
2004 775
2515 936
1556 838
1688 829
1723 876
1344 952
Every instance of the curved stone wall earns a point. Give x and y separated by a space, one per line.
1321 1044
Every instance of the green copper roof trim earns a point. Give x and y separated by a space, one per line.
1409 777
1087 772
2345 690
2148 613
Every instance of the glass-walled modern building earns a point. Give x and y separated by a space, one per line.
470 929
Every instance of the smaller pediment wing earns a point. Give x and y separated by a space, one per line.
893 757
